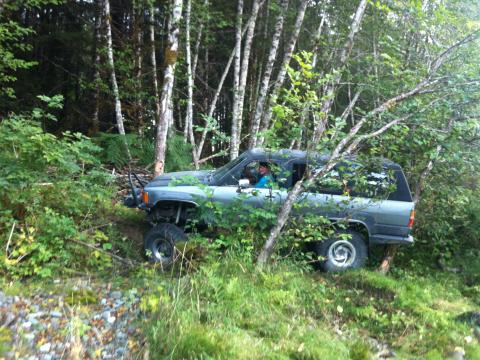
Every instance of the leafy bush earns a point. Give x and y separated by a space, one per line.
51 190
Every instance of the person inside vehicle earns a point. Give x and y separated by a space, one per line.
266 178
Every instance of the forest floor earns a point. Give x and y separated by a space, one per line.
218 306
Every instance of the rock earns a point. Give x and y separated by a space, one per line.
119 353
111 320
116 294
47 357
106 314
103 301
27 325
458 353
470 317
29 337
9 319
3 298
45 347
386 354
56 314
121 336
55 323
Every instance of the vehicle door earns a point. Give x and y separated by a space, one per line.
273 193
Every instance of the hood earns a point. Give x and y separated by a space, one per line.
181 178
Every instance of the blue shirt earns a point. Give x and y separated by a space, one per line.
264 182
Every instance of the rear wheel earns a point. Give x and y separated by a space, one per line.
159 243
346 250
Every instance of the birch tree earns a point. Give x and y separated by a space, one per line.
138 38
234 143
239 99
188 131
113 78
262 94
96 64
352 140
165 113
153 60
280 79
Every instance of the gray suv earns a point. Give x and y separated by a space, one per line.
376 206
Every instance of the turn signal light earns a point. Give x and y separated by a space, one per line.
145 197
412 219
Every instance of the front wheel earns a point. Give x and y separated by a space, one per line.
159 243
346 250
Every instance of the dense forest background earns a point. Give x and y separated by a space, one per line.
90 89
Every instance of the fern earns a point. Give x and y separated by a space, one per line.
178 155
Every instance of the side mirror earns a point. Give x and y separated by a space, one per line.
243 183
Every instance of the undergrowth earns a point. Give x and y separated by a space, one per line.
226 309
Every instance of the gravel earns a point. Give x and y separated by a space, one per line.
45 326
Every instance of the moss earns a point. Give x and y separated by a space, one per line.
5 340
81 297
359 351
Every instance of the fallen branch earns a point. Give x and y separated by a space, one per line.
9 239
128 262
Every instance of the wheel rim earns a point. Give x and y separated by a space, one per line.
162 250
342 253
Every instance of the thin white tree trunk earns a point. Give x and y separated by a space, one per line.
238 110
113 78
331 88
166 114
216 96
188 60
96 76
138 15
153 60
292 196
262 93
234 142
282 72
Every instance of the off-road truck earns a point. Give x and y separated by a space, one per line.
379 212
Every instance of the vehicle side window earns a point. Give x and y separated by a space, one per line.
332 184
253 173
355 180
298 171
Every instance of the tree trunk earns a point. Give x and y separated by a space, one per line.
262 93
282 72
153 60
387 260
238 107
113 78
292 196
95 126
188 60
234 143
166 114
138 16
331 88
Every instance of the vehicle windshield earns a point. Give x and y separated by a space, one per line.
221 172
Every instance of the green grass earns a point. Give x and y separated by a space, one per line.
228 310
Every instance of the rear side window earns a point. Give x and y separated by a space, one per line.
357 180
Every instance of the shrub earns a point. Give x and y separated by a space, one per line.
50 190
